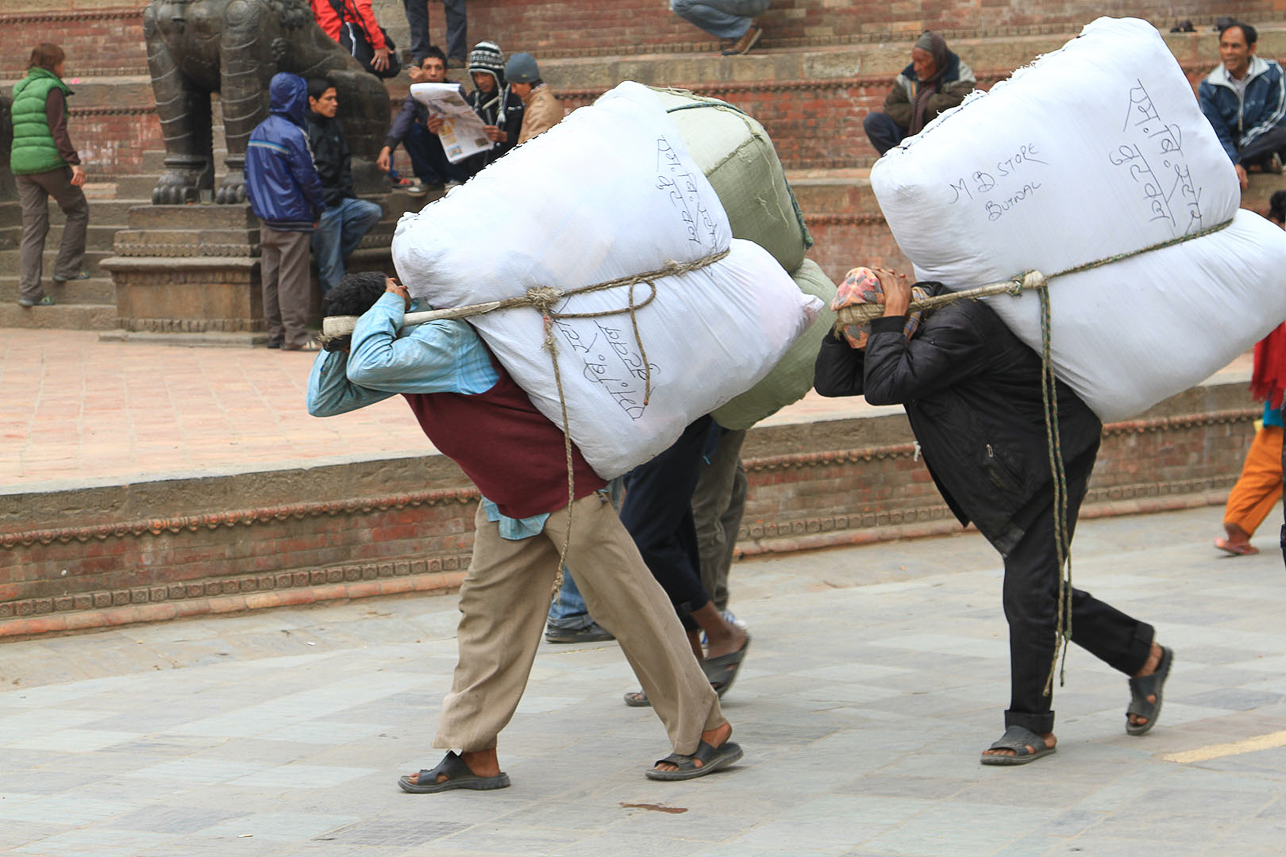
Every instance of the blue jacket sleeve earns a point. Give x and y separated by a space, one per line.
329 390
1208 96
428 358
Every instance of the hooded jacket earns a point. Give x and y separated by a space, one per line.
1240 120
955 83
281 182
972 392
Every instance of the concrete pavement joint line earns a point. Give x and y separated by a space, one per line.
1218 751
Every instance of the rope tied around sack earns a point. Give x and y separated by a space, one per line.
1035 281
544 299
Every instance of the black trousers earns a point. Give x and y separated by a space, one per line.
658 514
1262 149
1031 607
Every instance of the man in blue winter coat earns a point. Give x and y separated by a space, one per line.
285 193
1245 100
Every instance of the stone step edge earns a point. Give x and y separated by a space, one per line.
43 616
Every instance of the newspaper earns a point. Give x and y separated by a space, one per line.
461 133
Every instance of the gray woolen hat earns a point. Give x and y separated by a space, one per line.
522 68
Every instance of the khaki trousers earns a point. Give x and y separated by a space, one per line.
283 267
503 604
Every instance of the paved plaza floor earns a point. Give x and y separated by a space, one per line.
876 677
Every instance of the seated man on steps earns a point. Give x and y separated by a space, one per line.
731 21
973 394
410 129
474 413
346 219
1245 100
936 80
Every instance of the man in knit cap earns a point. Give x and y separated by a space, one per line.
936 80
541 109
500 110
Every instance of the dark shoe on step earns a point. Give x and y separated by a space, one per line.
47 300
83 275
745 43
593 633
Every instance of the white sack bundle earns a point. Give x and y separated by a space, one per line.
1129 334
609 192
1096 150
792 377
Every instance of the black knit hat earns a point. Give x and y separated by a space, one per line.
487 57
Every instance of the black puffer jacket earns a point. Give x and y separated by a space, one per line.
332 157
971 390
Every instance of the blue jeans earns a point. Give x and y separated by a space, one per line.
724 19
569 610
341 228
882 131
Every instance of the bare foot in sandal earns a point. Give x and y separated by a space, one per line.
1031 750
714 737
1145 696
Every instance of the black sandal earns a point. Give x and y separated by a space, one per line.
459 776
711 758
1143 687
1018 739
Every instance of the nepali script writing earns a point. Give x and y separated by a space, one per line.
1153 155
611 359
677 180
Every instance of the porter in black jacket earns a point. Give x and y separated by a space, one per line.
972 392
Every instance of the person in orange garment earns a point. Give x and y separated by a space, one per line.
1260 485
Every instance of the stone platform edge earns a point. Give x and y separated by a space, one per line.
122 563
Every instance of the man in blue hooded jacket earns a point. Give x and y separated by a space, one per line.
1245 100
285 193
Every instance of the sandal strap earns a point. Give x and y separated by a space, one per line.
1018 739
451 765
1149 685
683 762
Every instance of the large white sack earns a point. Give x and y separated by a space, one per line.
1096 150
792 377
608 192
1158 323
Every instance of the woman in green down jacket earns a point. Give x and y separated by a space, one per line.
45 164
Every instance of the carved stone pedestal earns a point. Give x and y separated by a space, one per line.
189 274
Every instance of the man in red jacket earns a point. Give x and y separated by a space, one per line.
328 15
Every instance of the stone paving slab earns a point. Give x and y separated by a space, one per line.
77 412
877 676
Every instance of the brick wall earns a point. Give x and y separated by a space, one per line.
99 42
841 482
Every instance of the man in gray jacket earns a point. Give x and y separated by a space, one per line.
936 80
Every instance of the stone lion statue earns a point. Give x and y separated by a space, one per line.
234 47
